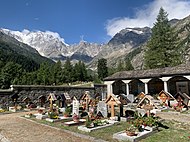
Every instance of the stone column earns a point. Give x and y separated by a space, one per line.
109 87
165 79
145 81
187 76
127 86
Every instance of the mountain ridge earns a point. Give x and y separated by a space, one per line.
18 52
119 47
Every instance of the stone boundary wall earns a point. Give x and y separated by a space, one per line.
35 91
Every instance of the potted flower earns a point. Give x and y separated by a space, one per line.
75 118
28 115
89 123
67 112
40 111
53 115
131 130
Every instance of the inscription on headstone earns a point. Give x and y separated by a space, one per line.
102 107
75 107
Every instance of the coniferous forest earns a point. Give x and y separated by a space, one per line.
46 74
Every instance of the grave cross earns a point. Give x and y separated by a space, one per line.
148 108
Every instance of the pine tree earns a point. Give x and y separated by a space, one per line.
162 49
102 68
10 74
56 73
43 75
80 72
68 71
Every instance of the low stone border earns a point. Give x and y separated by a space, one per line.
69 132
122 136
85 129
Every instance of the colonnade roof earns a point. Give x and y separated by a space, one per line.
183 69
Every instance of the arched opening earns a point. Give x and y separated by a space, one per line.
179 84
155 86
136 86
119 87
129 113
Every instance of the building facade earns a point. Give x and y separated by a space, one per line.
152 81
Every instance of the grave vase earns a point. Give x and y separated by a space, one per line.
130 133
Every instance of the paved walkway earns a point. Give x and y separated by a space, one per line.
16 129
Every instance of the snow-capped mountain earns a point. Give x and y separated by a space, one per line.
133 36
48 44
51 45
129 43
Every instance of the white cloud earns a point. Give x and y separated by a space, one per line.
146 16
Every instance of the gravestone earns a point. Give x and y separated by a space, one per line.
75 107
102 107
131 98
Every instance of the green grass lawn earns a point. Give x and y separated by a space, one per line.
177 132
171 131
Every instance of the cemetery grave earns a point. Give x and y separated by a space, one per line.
139 128
97 116
96 124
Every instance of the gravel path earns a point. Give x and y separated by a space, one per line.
17 129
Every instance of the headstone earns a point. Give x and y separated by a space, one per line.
75 107
131 98
102 107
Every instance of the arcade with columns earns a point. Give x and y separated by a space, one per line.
170 79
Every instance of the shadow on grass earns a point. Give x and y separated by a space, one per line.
162 125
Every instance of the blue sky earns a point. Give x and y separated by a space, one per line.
94 20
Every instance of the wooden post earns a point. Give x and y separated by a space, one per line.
87 104
51 105
148 108
112 110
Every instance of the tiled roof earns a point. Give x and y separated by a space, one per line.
113 97
183 69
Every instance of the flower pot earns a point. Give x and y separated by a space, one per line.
129 133
91 126
66 115
76 120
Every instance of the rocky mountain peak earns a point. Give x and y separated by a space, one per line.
132 36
